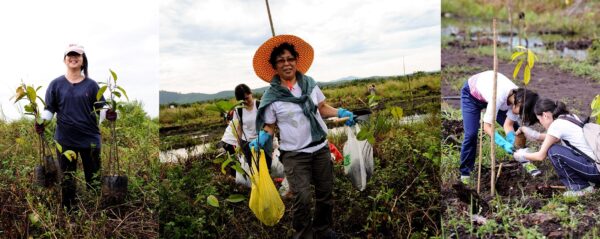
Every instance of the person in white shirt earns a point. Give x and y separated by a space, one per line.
295 104
476 93
246 120
565 145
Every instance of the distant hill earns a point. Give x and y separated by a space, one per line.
168 97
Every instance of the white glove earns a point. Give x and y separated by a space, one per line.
47 115
530 133
519 155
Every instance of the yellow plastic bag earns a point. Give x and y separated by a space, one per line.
265 201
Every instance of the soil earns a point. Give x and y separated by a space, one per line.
577 92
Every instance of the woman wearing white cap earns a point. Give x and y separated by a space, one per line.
72 97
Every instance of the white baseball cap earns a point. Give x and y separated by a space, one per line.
74 48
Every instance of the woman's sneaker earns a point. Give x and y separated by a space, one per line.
531 169
579 193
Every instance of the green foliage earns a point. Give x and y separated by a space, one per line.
595 105
21 200
527 56
593 56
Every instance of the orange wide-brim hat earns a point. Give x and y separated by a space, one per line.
263 68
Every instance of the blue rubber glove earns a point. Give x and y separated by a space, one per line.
260 141
510 137
345 113
500 141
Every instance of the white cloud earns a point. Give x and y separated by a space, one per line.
121 35
207 46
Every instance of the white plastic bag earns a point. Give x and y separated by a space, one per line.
241 178
277 170
358 159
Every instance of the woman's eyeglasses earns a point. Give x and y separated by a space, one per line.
282 61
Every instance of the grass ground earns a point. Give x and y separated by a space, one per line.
523 207
401 199
30 211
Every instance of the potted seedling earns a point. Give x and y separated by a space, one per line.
47 172
114 184
526 56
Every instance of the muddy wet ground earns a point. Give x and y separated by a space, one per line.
517 189
547 80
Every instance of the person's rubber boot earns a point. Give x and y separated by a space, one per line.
579 193
531 169
466 180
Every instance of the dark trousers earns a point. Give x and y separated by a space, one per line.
574 170
300 170
90 157
471 113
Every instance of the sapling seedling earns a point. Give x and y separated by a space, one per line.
114 185
113 104
29 94
527 56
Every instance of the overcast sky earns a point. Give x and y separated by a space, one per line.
207 46
121 35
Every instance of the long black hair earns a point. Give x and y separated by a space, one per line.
84 65
557 108
527 99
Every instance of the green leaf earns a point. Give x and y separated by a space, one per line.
28 108
397 112
58 146
70 154
596 102
238 168
100 92
530 58
34 218
124 92
527 75
118 94
31 94
521 47
225 106
371 139
224 164
212 200
364 134
38 88
517 69
236 198
114 75
516 54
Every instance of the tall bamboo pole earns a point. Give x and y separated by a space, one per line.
270 20
493 143
480 153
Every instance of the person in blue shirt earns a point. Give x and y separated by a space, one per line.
72 97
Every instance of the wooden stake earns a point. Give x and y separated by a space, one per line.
499 170
510 39
270 20
480 153
493 143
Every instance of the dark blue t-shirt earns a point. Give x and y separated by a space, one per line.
76 124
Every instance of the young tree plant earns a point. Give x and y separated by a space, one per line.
113 103
527 57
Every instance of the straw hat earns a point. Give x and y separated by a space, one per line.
263 68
